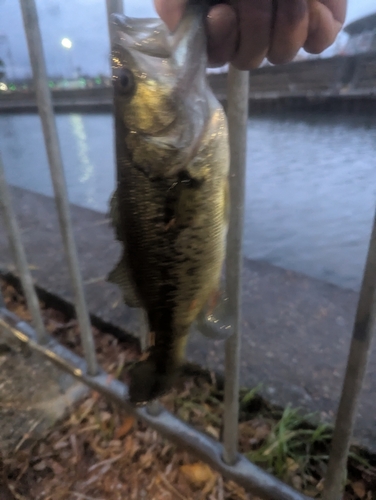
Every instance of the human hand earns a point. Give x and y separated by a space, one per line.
244 32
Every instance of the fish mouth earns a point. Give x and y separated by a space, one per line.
149 36
185 47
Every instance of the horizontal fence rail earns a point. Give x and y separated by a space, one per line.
207 449
222 457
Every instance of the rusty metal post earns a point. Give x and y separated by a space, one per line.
364 329
19 255
34 42
237 112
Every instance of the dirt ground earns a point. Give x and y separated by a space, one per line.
101 453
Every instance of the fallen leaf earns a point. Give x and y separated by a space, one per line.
105 416
56 467
198 473
261 432
125 427
131 446
292 466
212 431
320 485
40 465
147 459
59 445
172 489
115 443
238 490
297 482
167 448
104 465
359 489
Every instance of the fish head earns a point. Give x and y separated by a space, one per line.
155 72
142 77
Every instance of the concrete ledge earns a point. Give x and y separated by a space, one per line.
34 396
296 330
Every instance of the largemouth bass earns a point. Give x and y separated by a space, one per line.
170 207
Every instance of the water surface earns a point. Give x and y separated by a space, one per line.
310 189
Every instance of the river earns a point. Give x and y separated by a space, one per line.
310 189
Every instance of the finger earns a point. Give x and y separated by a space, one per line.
323 28
170 11
222 34
337 7
255 22
290 30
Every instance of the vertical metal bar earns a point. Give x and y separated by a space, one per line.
360 349
113 7
18 251
34 41
2 301
237 112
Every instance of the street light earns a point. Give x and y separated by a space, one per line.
65 42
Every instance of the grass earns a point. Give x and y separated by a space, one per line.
291 446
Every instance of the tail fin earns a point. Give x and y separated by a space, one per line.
156 375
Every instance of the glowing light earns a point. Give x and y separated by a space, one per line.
65 42
3 86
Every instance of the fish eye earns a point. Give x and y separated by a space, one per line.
124 80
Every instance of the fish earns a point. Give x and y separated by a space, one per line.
170 208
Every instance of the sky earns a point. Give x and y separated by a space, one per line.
84 23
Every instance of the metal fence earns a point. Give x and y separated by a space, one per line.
223 457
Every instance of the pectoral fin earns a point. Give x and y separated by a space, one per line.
120 276
213 321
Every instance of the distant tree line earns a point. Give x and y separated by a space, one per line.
2 69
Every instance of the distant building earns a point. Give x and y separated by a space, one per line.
362 35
